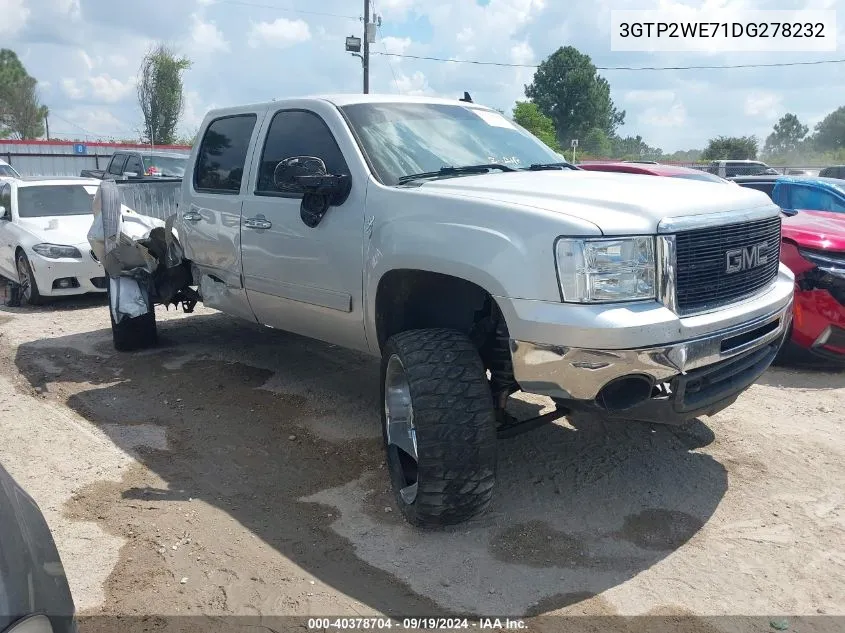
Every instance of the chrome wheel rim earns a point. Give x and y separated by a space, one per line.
399 427
24 281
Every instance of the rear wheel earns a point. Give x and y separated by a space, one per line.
439 427
26 279
133 333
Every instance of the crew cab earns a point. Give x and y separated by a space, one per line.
136 164
459 249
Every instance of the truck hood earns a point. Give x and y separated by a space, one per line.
64 229
617 204
820 230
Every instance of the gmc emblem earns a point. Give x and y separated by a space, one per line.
738 259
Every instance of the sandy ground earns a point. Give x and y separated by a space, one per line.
236 470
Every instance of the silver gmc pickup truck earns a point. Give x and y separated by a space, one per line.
475 262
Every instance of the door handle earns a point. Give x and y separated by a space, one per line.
258 222
191 216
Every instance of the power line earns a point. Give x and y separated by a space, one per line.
713 67
389 63
259 5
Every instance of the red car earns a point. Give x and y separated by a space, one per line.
813 247
653 169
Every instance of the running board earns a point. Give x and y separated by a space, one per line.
518 427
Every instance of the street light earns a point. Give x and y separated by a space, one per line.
353 44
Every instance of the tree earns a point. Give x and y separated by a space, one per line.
596 144
830 132
634 148
786 135
528 115
187 139
567 88
160 94
731 148
21 112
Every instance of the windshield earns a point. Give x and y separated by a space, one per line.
7 171
164 166
700 176
51 200
401 139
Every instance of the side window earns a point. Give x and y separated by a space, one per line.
297 133
765 187
811 199
134 165
116 164
221 159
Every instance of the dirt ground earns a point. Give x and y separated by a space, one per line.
237 470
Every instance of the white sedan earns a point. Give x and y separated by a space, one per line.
44 237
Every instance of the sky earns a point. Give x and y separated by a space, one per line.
86 54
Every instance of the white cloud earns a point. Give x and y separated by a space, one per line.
71 88
414 85
522 53
649 96
398 45
99 122
108 89
281 33
465 35
13 15
674 116
763 104
206 37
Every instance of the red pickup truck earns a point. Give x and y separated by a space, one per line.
813 247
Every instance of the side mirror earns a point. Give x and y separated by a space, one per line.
4 214
130 174
307 175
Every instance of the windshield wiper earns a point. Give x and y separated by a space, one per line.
464 170
548 166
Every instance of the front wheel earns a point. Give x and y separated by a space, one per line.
132 334
438 425
26 279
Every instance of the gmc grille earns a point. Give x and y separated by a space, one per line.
720 265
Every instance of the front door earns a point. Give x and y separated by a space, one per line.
302 279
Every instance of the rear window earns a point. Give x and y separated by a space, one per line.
50 200
8 172
165 166
221 160
700 176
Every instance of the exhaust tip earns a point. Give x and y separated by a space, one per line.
625 392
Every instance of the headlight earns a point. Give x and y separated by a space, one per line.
606 270
57 251
829 262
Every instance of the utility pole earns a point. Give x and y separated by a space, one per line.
47 125
366 57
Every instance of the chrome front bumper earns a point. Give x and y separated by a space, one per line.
574 373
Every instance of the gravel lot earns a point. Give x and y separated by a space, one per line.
236 470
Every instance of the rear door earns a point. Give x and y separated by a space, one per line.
210 211
116 164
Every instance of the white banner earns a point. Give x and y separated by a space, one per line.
684 28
